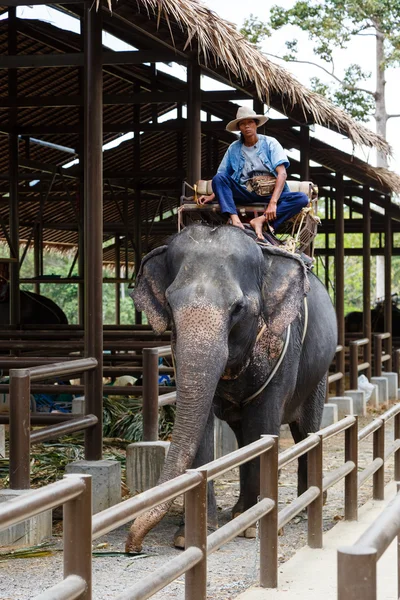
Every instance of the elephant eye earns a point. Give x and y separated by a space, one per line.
237 308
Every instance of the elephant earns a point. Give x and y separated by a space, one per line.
35 309
354 321
229 302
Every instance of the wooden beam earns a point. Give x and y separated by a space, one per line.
34 61
156 97
75 59
156 173
171 125
16 3
353 252
137 57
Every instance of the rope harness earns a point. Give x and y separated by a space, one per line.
274 370
282 354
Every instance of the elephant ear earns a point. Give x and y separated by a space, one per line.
149 292
284 285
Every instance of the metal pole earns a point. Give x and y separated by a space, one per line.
269 523
196 535
339 276
78 535
94 227
388 286
15 308
367 279
150 395
379 452
19 429
194 122
315 476
356 573
351 480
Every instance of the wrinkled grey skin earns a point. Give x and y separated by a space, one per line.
35 309
215 288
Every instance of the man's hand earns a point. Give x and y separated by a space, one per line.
205 199
270 213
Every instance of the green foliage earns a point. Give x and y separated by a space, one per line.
331 25
357 103
66 295
255 30
123 418
353 267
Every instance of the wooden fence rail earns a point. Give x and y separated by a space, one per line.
75 493
193 562
357 564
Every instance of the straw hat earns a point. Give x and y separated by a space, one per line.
245 113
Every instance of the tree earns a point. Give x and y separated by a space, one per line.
332 24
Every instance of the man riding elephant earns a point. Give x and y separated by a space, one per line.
249 157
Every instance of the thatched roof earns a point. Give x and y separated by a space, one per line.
219 44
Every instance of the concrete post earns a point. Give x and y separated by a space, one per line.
144 464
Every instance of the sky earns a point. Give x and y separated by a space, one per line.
236 11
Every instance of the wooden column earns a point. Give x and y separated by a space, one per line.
305 165
339 276
304 153
367 328
137 202
94 227
36 258
258 107
388 285
117 275
81 187
15 307
194 123
138 242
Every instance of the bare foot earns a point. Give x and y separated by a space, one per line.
236 222
257 225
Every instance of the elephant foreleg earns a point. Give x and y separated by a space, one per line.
205 454
239 506
309 421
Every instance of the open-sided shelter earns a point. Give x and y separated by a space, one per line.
64 95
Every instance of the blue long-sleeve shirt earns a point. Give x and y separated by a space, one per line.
269 150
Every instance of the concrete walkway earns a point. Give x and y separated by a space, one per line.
312 574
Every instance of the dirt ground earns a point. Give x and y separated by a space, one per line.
231 569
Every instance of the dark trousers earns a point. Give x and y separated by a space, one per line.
229 193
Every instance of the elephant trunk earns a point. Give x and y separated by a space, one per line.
198 374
